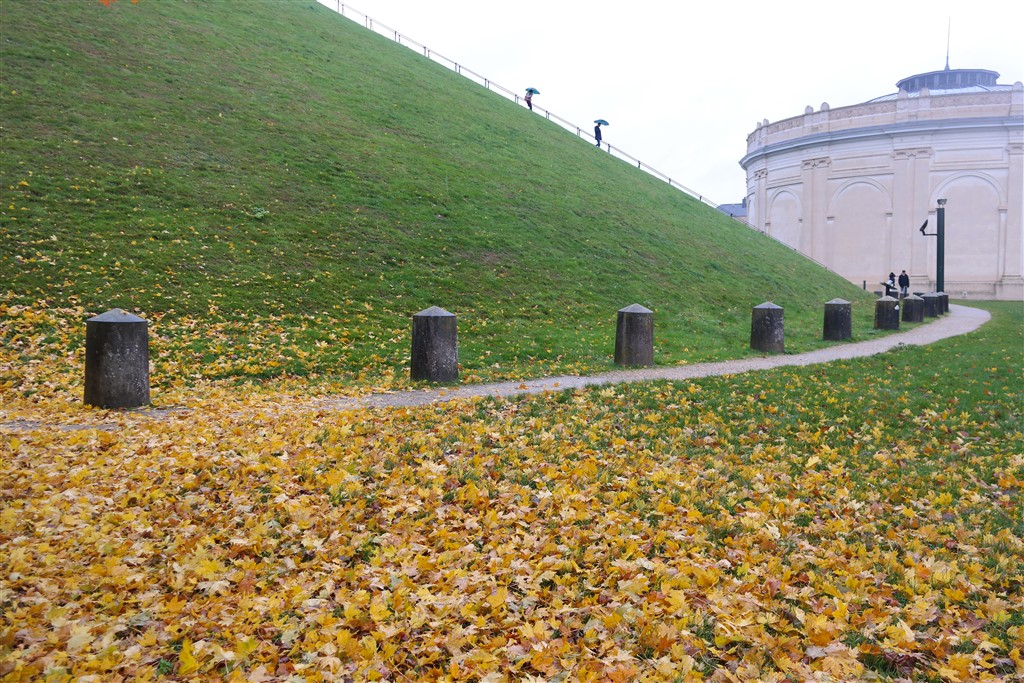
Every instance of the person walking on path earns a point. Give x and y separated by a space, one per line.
904 284
597 134
530 92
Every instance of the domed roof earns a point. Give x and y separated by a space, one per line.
947 82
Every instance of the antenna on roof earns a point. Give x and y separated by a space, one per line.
949 27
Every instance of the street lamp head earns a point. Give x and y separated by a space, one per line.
942 202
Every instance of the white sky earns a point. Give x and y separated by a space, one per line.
683 83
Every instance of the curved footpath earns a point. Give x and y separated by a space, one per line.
960 320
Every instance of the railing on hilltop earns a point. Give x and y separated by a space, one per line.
388 32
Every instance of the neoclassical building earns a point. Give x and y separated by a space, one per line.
850 187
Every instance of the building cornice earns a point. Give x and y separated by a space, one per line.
993 123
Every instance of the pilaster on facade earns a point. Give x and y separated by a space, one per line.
759 209
1013 266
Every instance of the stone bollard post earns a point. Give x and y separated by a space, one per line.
767 328
116 360
944 301
913 309
634 336
887 313
931 304
838 320
435 346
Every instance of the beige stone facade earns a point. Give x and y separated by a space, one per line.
851 186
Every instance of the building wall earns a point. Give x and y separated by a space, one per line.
849 187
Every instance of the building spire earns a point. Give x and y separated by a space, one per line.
949 27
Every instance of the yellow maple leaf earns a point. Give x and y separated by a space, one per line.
187 663
677 600
995 607
246 647
961 663
1018 660
498 598
900 633
80 637
379 611
149 638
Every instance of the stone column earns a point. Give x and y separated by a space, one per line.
767 328
435 346
116 360
838 320
887 313
634 336
913 309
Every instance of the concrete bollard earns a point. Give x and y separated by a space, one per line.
887 313
944 301
838 320
116 360
913 309
435 346
767 328
931 304
634 336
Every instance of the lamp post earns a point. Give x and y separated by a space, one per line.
940 246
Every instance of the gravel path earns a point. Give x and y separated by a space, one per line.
959 320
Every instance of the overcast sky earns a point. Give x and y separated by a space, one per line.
683 83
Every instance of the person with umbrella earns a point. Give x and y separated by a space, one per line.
530 92
597 130
890 284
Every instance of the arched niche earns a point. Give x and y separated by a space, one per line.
785 213
858 237
973 227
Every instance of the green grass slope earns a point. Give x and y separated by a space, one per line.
277 190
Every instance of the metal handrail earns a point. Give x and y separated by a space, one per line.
388 32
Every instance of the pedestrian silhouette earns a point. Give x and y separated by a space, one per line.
597 134
530 92
890 284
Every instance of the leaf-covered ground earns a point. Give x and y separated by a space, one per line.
861 520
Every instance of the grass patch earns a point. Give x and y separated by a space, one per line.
278 190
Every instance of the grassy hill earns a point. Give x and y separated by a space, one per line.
278 190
